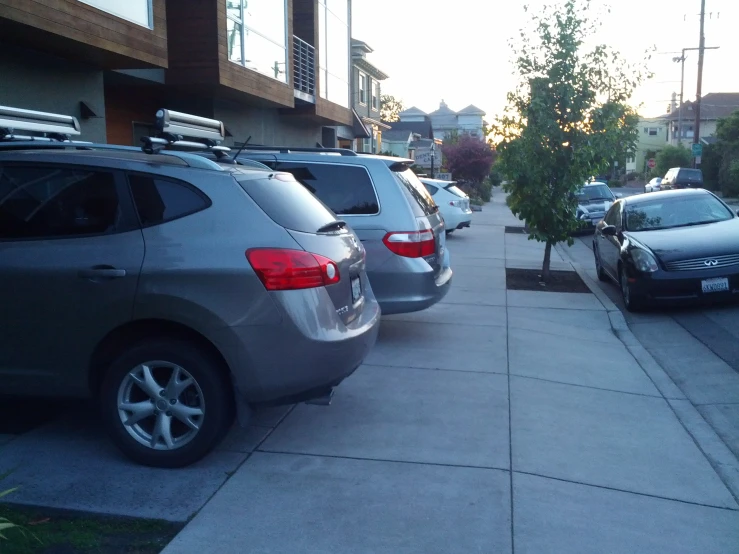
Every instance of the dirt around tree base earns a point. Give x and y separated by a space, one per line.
530 279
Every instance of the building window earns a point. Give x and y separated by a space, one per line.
257 36
362 88
376 96
652 131
136 11
333 51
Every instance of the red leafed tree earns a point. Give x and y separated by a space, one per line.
469 158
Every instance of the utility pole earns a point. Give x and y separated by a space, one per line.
701 51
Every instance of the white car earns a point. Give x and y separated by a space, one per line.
654 185
453 203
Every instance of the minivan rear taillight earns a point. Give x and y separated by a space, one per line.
285 269
411 244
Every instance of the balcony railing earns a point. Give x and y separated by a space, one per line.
304 61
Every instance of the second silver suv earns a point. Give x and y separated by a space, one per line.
391 211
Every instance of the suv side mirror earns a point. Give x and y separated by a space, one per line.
609 230
619 195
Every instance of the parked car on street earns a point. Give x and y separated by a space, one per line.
682 178
593 201
175 291
669 246
653 185
453 203
390 210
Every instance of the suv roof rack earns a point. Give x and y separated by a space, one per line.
52 127
288 149
174 127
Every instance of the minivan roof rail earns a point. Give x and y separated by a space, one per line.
52 127
288 149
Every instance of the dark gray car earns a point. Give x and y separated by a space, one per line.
391 211
172 289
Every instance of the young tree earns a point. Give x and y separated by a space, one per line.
565 120
390 107
469 158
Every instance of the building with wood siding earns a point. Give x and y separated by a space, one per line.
279 76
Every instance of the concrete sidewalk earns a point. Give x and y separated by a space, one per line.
496 421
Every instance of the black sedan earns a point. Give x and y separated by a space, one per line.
669 246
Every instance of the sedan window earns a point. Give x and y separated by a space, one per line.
680 211
594 192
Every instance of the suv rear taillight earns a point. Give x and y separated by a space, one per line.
284 269
411 244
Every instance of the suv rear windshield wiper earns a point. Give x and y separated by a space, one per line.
333 226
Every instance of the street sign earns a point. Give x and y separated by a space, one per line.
651 163
697 150
697 160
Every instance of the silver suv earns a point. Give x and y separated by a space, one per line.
174 290
390 210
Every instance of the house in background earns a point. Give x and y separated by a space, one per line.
281 77
366 95
400 142
714 106
415 121
444 121
652 138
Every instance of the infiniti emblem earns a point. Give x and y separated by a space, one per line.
710 263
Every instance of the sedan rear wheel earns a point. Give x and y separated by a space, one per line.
166 403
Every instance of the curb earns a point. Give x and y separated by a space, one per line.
722 460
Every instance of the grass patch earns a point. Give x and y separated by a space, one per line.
47 531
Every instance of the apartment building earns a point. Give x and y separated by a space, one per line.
275 71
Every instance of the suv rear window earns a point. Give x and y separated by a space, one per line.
418 197
346 189
691 174
454 190
286 201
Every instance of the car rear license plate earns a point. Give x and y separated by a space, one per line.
356 289
720 284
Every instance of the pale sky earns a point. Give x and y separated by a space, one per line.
458 51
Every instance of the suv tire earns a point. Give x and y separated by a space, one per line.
177 393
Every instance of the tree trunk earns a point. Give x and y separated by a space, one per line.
545 266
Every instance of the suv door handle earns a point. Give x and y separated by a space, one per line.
101 272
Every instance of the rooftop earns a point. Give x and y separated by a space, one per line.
715 105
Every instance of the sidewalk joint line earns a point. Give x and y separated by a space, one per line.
437 369
657 396
381 460
510 409
616 489
439 323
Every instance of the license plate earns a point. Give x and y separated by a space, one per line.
720 284
356 289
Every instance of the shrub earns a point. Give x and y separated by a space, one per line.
673 156
615 183
632 176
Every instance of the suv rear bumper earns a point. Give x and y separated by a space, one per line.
308 352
